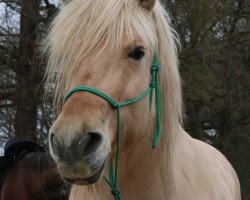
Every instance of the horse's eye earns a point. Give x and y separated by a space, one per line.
137 53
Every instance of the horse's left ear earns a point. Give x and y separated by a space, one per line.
147 4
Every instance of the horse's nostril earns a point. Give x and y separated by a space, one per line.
74 150
57 146
53 141
51 136
53 144
91 142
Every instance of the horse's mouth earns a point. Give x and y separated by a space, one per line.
87 181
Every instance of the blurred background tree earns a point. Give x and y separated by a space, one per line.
214 65
23 26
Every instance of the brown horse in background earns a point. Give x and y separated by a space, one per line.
33 176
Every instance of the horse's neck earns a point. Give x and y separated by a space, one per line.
145 173
142 174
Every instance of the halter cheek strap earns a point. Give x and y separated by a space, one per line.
154 85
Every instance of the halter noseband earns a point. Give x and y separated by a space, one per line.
154 85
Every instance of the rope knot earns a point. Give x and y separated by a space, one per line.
115 192
115 105
153 84
154 68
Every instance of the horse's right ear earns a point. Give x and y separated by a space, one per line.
147 4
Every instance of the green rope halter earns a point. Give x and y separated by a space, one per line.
113 174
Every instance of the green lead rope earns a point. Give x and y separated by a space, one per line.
113 176
154 85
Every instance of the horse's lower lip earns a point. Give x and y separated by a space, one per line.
87 181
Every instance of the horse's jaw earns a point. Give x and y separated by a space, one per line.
87 181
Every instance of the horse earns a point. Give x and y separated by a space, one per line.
30 173
114 69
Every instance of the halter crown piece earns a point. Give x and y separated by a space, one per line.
154 85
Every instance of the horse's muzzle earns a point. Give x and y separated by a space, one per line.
82 160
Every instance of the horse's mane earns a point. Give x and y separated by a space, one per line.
84 26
